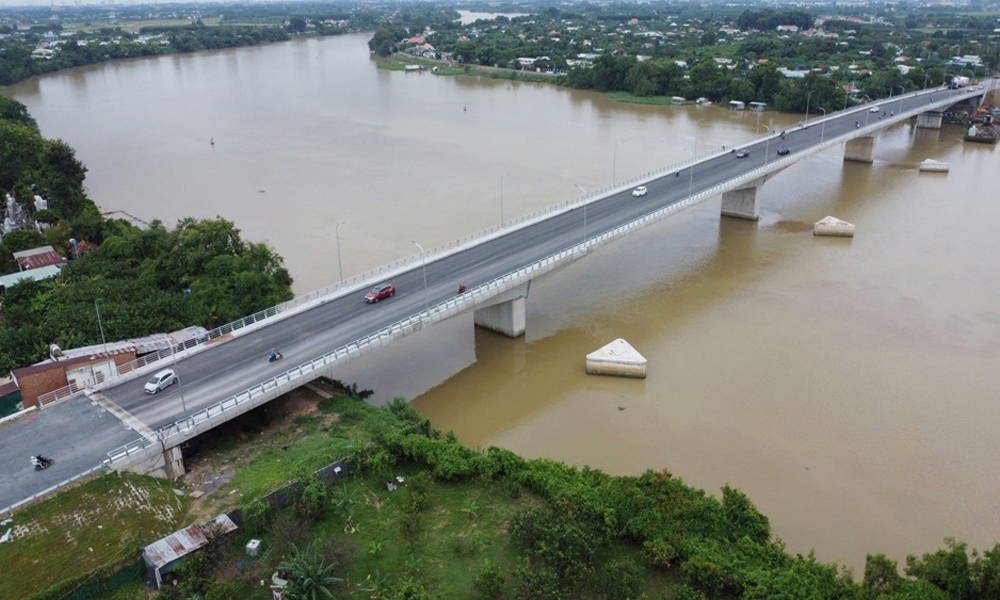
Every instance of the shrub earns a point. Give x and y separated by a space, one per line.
225 590
489 580
311 505
659 552
620 580
256 516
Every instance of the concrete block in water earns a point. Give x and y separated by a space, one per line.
833 226
617 358
934 166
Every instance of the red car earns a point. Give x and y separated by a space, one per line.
380 292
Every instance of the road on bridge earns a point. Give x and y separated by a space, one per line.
232 366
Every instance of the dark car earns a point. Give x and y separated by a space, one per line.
380 292
743 154
783 151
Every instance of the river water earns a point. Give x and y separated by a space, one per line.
850 387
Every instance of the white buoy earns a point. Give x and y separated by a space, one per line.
933 166
832 226
617 358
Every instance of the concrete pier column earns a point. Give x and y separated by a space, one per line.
860 149
929 120
166 464
742 203
505 313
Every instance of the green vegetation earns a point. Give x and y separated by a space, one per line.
423 517
98 525
147 280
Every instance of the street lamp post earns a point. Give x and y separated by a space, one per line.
767 144
822 130
902 92
808 97
614 163
180 380
100 326
423 263
584 212
501 197
867 111
694 155
340 266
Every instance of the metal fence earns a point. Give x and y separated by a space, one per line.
352 283
51 490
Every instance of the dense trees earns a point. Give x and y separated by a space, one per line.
147 280
768 20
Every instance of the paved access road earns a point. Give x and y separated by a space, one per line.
235 365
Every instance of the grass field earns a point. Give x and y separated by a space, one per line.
135 26
631 99
105 520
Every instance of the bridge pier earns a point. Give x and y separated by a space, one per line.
929 120
743 203
860 149
506 313
168 464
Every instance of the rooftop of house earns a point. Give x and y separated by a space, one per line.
35 258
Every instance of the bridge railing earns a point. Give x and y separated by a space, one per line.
379 273
172 434
9 510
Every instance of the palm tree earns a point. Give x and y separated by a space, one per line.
309 576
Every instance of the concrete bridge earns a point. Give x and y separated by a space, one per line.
320 331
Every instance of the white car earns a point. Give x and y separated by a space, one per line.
161 380
874 109
639 191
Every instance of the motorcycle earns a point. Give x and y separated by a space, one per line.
274 356
461 288
41 462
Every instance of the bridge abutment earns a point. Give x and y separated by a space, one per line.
168 464
506 314
860 149
929 120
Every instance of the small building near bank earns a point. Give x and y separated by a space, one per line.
736 105
9 281
36 258
758 105
163 555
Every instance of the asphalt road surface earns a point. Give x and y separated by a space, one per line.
228 368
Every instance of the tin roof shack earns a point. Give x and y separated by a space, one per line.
36 258
9 281
163 555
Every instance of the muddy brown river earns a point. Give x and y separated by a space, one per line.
849 386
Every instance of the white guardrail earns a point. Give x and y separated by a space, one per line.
362 280
51 490
175 433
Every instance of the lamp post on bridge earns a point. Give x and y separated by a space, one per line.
867 111
808 97
336 234
423 264
902 92
180 381
767 142
822 130
584 212
614 162
501 198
